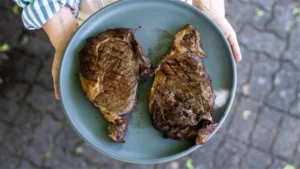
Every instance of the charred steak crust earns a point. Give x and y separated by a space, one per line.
181 99
110 66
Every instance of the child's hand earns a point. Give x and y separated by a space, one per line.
215 9
60 29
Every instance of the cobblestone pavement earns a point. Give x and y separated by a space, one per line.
261 132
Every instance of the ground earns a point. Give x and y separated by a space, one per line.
261 132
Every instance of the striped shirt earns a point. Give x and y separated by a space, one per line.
37 12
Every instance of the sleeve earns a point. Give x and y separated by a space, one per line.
37 12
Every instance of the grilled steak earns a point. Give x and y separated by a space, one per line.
181 99
110 66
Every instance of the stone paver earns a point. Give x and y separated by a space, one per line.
68 139
266 4
266 128
230 154
294 49
203 157
296 108
297 157
139 166
21 133
283 21
7 161
262 130
241 126
241 16
227 123
262 41
43 76
279 164
10 24
61 159
43 140
15 91
261 78
16 140
176 164
3 129
6 5
100 159
256 159
28 118
41 102
34 45
282 98
25 67
287 139
25 165
249 58
287 77
9 110
286 81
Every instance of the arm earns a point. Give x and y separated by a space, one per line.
215 9
63 23
57 19
211 6
60 29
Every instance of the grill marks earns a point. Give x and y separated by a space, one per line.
181 98
110 66
184 89
117 85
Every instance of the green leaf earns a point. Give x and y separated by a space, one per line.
48 155
78 150
37 121
4 47
296 11
288 166
24 40
259 12
15 9
246 114
189 164
261 105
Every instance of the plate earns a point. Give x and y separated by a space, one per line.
153 22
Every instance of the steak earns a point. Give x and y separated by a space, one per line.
181 99
110 66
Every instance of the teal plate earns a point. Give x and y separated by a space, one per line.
154 23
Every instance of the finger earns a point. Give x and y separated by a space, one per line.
232 39
230 34
57 61
55 72
55 81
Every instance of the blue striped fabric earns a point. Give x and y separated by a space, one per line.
37 12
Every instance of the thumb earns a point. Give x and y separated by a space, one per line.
230 34
58 57
232 39
55 71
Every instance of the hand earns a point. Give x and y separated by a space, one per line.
215 9
60 29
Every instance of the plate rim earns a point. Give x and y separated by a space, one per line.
166 158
